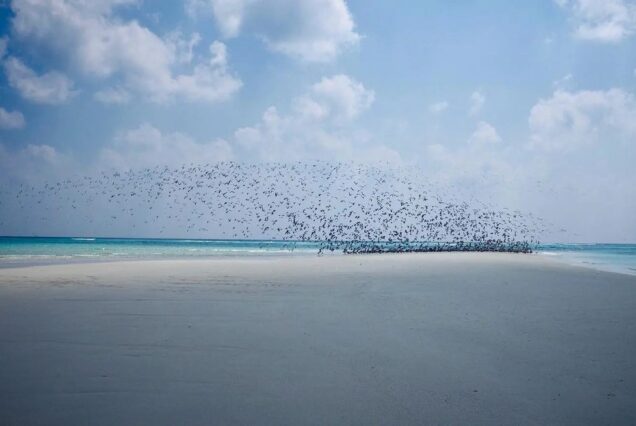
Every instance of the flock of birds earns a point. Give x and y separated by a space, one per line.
344 207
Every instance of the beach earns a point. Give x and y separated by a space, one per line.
430 338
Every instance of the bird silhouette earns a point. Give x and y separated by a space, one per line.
338 206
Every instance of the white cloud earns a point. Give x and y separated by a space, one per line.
34 163
570 119
43 152
602 20
279 137
50 88
477 101
209 81
344 97
11 119
113 95
183 48
438 107
481 160
319 126
229 15
311 30
103 46
474 167
578 173
147 146
195 8
563 82
485 133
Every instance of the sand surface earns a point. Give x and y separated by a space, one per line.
380 339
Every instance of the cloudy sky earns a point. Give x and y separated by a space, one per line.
530 103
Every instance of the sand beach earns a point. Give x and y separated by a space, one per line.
437 338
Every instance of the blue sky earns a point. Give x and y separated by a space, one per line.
511 97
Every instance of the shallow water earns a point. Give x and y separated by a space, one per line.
17 251
607 257
42 250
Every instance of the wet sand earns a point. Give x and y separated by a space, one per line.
437 338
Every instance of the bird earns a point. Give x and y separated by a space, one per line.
342 207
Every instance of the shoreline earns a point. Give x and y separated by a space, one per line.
569 259
94 260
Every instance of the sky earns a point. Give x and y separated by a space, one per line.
528 104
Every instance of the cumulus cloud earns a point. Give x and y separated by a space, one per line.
319 126
183 48
601 20
311 30
33 163
343 96
481 157
485 133
49 88
112 95
11 119
485 171
104 46
438 107
594 133
280 137
567 120
209 81
477 101
147 146
229 15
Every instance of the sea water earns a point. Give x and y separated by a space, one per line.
17 251
607 257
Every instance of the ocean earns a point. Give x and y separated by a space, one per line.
22 251
606 257
43 250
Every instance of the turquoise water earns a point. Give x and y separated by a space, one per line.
607 257
16 251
